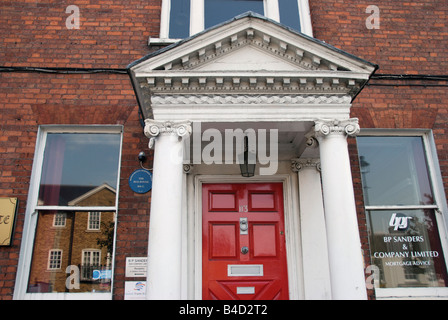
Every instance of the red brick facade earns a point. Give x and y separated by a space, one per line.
411 40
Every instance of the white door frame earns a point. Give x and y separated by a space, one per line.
193 256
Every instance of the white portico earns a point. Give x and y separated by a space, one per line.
252 73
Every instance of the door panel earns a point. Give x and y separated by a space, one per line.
262 201
222 201
243 260
263 240
223 241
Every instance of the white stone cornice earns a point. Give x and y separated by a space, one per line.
241 82
153 128
325 128
299 164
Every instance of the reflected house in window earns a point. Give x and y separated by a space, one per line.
84 242
103 195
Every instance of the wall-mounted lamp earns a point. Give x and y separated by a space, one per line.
247 160
142 158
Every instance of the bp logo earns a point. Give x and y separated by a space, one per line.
399 221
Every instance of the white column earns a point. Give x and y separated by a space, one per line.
316 273
165 222
344 245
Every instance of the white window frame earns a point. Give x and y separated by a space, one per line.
91 252
50 260
93 214
440 208
60 220
271 9
84 261
30 224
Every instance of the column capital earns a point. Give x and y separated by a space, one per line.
188 167
349 127
180 128
299 164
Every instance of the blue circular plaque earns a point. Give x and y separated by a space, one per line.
140 181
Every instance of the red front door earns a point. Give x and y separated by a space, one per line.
243 242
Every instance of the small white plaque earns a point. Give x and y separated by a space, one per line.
136 266
135 290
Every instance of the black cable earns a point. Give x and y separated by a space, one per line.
382 84
63 70
392 77
430 77
375 76
423 78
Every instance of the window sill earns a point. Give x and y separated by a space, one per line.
68 296
161 41
411 293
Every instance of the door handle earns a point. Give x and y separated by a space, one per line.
244 226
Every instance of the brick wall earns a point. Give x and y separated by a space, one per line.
411 39
111 35
29 99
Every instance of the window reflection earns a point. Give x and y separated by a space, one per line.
73 257
73 245
218 11
405 245
394 171
289 13
179 19
75 164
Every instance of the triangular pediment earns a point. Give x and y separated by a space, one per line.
271 43
250 58
249 54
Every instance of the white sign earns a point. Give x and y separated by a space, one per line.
135 290
136 266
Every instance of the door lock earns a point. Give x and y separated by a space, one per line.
244 226
244 250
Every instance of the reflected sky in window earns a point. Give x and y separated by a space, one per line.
75 163
394 171
218 11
